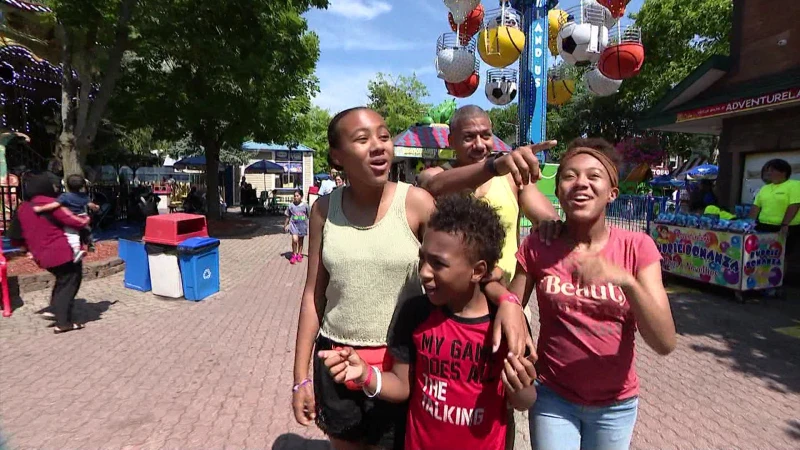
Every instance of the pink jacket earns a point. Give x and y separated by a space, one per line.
44 233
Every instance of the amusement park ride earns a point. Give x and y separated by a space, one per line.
588 36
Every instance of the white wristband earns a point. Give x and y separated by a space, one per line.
379 380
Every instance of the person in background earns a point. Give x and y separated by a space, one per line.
463 242
297 225
777 203
339 181
43 236
703 195
506 182
328 185
77 200
596 286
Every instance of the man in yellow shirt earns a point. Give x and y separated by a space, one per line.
777 203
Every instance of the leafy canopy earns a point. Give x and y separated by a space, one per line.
399 100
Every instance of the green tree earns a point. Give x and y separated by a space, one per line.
313 130
505 123
93 36
220 72
399 100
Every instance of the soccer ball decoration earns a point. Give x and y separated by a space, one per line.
600 85
623 59
573 43
501 41
454 62
501 86
471 25
616 7
556 19
460 9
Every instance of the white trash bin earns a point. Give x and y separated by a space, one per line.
165 273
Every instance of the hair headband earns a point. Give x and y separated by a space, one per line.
611 168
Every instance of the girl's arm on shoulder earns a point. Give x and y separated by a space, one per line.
312 304
420 206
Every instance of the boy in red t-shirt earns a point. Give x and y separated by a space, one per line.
456 387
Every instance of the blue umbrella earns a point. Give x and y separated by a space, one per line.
703 172
195 163
666 181
322 176
265 167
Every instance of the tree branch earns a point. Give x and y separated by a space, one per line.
67 81
112 72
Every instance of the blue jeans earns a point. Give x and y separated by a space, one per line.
557 424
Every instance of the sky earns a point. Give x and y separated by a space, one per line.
360 38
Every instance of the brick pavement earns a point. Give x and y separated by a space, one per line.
156 374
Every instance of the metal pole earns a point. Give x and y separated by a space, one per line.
533 72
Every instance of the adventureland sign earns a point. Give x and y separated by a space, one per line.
790 95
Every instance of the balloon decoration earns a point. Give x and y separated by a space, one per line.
454 62
501 41
556 19
616 7
625 57
460 9
600 85
471 25
501 86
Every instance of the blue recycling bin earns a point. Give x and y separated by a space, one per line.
199 261
137 270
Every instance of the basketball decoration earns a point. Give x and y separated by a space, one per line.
559 90
501 41
616 7
454 62
465 88
624 59
501 86
460 9
556 19
600 85
471 25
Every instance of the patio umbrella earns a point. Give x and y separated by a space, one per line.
435 141
265 167
321 176
197 162
703 172
666 181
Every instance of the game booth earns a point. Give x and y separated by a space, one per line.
725 252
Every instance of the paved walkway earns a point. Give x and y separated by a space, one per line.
148 373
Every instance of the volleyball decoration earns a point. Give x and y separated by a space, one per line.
556 19
468 86
460 9
559 90
501 41
471 25
623 59
600 85
501 86
615 7
454 62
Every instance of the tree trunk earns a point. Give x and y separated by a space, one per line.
70 157
212 178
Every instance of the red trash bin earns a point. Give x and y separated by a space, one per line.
172 229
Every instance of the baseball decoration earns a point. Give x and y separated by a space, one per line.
501 86
460 9
600 85
501 41
454 62
624 58
471 25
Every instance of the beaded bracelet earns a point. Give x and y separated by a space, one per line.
297 386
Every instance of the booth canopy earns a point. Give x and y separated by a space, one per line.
194 163
432 142
265 167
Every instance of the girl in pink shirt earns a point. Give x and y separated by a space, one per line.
596 286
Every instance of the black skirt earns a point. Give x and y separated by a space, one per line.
352 416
